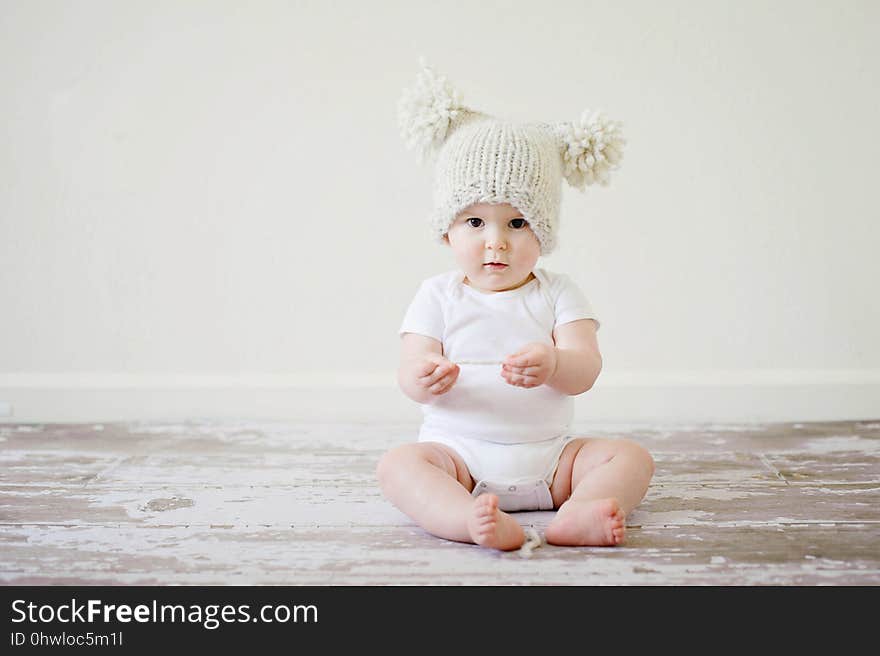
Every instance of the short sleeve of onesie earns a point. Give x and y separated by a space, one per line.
424 316
569 301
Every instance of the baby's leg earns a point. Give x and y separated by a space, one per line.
596 484
430 482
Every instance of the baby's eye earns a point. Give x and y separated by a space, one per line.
518 224
475 222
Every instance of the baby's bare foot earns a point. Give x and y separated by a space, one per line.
490 527
595 522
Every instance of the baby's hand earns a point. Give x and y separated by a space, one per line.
531 366
436 374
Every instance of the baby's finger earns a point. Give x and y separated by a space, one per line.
438 373
426 368
430 379
522 371
439 387
510 378
519 380
527 360
443 385
522 358
453 375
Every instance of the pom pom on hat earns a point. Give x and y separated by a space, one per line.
593 147
427 111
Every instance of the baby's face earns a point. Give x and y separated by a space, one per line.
494 246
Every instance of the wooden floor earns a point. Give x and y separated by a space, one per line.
223 503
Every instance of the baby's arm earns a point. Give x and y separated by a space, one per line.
578 361
424 372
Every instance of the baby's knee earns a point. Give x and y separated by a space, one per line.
387 465
394 461
639 454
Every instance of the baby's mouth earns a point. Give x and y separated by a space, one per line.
495 264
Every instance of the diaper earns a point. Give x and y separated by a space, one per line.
526 495
519 474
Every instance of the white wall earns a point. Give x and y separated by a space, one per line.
206 209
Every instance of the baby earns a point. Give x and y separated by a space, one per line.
496 350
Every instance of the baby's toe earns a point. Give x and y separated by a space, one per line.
487 529
618 531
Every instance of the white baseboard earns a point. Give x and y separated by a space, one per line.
631 397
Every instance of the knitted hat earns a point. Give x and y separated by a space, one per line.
480 159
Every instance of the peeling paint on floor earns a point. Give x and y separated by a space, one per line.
239 502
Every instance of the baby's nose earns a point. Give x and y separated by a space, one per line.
495 242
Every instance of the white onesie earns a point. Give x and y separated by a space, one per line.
509 437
